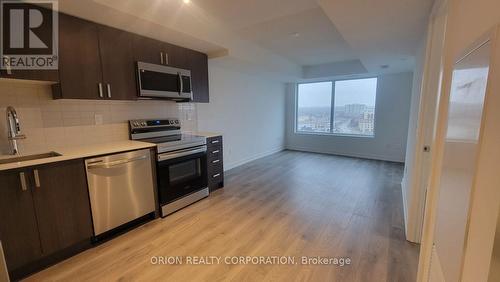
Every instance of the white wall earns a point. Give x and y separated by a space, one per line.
248 110
50 124
391 125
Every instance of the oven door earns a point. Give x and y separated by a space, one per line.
181 173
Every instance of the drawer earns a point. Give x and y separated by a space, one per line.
215 162
213 142
214 154
215 168
215 177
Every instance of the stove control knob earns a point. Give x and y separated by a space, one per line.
171 121
143 123
176 121
136 124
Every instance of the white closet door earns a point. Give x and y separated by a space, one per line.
466 105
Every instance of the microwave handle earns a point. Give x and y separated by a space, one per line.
181 90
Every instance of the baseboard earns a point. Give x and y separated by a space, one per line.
232 165
405 209
355 155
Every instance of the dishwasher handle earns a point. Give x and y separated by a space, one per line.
100 164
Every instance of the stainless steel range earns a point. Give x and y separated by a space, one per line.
181 162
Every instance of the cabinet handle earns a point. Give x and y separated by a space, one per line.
215 152
109 90
216 175
215 141
100 90
216 161
8 67
22 177
166 58
161 57
37 178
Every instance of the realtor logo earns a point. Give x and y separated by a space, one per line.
29 35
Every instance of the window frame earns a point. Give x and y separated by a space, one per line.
332 109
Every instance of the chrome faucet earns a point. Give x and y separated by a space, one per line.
14 129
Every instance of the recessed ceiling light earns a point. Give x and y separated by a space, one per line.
295 34
186 1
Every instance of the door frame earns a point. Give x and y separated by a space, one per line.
427 256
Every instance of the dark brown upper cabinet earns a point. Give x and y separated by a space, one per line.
198 64
38 75
79 60
118 66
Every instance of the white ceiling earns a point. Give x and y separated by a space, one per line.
283 38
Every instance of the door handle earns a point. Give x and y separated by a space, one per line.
100 90
109 90
22 177
181 89
37 178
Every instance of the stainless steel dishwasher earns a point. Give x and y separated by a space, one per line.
120 188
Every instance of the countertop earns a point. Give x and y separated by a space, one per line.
79 152
206 134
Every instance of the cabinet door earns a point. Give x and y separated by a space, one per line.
39 75
177 56
147 50
62 205
79 60
18 225
198 64
118 66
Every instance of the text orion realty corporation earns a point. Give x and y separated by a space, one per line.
29 35
249 260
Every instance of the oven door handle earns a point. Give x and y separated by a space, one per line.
183 153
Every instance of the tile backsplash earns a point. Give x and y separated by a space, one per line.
50 124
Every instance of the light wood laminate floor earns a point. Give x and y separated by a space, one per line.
287 204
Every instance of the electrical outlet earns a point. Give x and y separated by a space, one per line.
98 119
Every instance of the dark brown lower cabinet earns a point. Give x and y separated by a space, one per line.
18 224
215 163
62 205
44 215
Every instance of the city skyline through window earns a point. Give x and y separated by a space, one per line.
353 112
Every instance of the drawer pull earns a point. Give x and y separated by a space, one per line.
216 152
37 178
215 161
216 175
22 177
215 141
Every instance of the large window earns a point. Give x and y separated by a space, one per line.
353 111
314 107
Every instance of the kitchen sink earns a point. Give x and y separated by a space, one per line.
29 157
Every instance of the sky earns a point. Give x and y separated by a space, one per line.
359 91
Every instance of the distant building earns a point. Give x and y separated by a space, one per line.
355 109
367 122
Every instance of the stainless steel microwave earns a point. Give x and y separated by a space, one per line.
157 81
